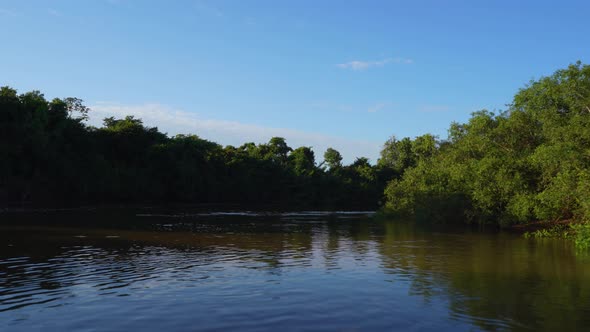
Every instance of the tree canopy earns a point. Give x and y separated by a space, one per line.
530 162
51 157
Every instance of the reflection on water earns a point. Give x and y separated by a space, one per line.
252 271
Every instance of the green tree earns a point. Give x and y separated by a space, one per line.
279 149
302 161
397 154
333 159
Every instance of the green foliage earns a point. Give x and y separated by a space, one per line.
529 163
564 231
397 155
279 149
333 159
582 235
579 232
302 161
49 156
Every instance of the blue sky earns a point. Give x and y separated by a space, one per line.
347 74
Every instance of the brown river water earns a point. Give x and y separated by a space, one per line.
119 270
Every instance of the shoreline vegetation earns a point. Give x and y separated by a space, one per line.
509 170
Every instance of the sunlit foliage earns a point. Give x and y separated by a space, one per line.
531 162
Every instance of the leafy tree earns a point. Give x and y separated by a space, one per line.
279 149
397 154
528 163
302 160
333 159
49 156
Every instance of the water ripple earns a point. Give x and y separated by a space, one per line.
312 273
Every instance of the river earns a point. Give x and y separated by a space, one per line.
90 270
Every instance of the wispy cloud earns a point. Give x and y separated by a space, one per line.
53 12
359 65
208 9
378 107
231 132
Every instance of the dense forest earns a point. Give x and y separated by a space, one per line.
51 157
530 162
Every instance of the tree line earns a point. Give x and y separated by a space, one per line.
529 162
50 156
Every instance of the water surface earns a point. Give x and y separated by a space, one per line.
179 271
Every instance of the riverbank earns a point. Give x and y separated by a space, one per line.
572 229
578 231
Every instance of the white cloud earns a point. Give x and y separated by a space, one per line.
359 65
234 133
377 107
